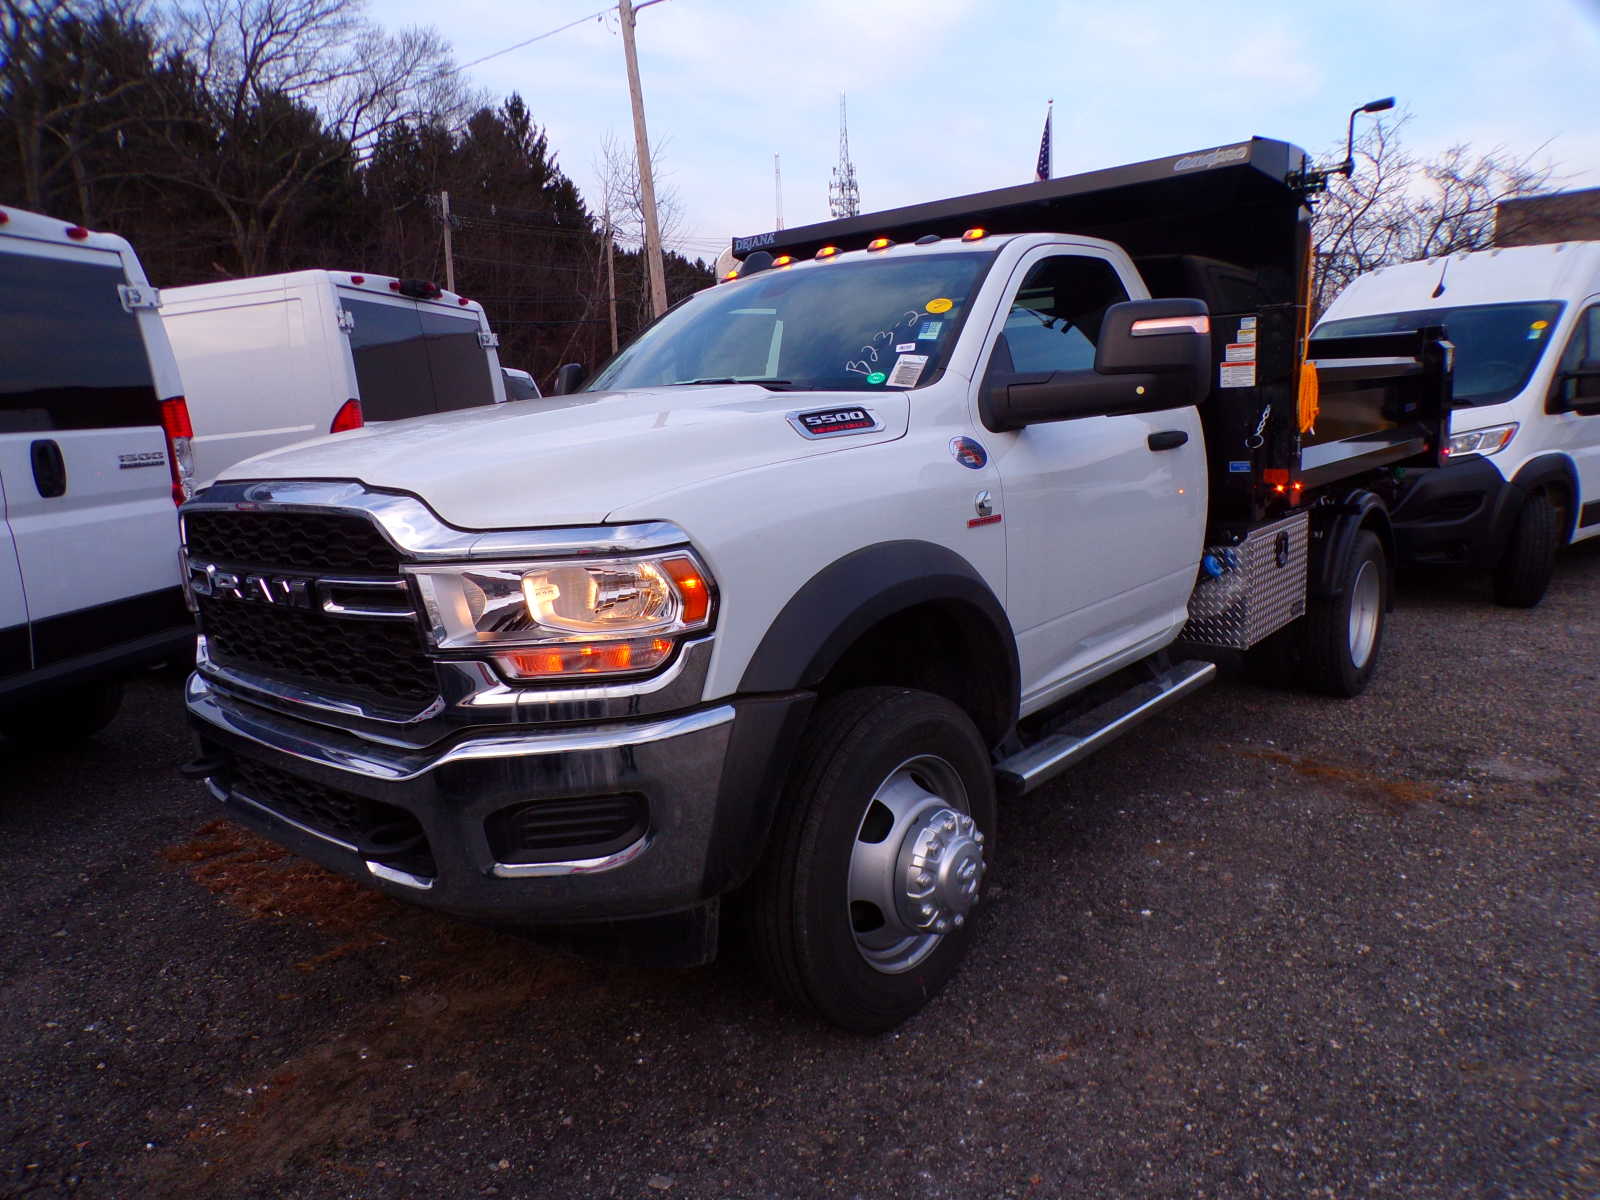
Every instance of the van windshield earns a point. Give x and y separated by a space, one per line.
1497 345
411 361
72 356
862 324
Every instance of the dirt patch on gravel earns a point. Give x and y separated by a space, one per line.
460 990
266 881
1394 795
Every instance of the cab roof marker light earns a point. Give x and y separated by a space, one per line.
77 232
783 260
827 252
976 233
358 280
880 243
1151 326
730 276
3 217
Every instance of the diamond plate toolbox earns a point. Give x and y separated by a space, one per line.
1261 586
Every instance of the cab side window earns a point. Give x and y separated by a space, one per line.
1055 319
1584 345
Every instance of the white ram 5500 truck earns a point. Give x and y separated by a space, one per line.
913 511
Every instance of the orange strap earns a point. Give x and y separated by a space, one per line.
1310 399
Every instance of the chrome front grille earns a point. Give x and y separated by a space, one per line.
315 601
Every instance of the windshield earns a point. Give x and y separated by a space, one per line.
411 361
852 325
1497 345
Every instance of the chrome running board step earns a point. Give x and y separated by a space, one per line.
1049 756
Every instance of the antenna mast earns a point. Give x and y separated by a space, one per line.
844 198
777 185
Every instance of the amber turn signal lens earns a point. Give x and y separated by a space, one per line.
585 658
692 589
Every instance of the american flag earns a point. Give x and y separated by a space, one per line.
1041 171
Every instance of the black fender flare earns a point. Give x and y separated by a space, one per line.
852 594
1333 534
1545 469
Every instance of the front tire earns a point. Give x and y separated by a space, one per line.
1524 573
863 902
1342 636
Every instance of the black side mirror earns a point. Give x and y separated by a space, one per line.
1151 355
1578 390
569 376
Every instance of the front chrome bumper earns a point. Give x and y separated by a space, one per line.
704 776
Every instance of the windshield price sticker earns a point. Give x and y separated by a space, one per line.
907 370
825 422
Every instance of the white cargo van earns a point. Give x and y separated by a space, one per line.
93 463
276 359
1524 472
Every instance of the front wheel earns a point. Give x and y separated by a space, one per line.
1341 636
1524 573
863 904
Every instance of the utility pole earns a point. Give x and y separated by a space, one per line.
611 281
647 185
449 256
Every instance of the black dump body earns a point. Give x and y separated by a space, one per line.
1230 225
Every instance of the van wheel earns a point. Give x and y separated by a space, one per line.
1524 573
1342 636
65 718
863 904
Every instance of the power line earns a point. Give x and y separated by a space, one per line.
537 38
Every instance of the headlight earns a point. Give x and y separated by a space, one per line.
1482 441
606 616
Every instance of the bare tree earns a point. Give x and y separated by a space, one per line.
1394 208
298 89
622 197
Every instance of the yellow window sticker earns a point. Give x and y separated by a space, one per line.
1536 330
942 305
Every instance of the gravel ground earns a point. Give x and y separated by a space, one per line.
1270 946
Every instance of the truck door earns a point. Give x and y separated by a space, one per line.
1104 521
16 656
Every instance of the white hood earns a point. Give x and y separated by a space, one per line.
573 460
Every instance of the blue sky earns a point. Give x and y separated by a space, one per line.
948 96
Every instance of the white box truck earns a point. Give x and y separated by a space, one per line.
1523 472
919 508
276 359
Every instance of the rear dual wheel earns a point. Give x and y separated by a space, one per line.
864 903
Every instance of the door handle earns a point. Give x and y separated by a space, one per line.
49 468
1167 439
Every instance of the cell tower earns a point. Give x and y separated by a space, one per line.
844 198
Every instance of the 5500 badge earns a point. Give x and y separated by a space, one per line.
825 422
